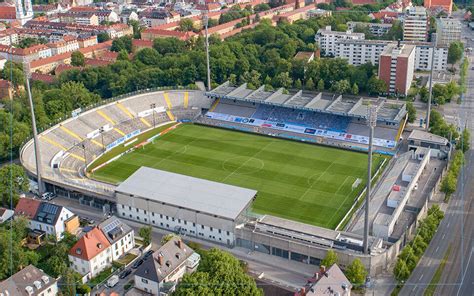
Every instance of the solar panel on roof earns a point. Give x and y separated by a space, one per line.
50 208
114 224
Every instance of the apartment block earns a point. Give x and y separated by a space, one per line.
415 24
326 39
447 31
396 67
374 28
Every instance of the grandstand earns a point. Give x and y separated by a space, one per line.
325 118
67 147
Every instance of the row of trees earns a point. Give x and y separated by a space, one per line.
450 180
412 252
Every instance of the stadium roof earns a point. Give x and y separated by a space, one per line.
322 102
196 194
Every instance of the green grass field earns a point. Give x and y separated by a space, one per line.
294 180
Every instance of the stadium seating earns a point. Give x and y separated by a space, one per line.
301 117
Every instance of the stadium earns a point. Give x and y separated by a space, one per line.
213 164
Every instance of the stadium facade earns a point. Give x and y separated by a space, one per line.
70 146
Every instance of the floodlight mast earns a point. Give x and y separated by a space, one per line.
371 121
206 25
26 69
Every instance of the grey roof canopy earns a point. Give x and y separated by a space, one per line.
196 194
351 106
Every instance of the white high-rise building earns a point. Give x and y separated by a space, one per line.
326 39
415 24
447 31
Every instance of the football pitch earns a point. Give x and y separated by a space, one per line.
297 181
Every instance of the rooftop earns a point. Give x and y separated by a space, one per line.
114 229
30 281
165 260
90 245
427 137
27 207
196 194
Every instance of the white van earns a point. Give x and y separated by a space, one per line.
112 281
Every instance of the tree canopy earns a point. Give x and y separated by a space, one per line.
219 273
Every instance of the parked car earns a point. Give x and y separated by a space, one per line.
48 196
112 281
137 263
125 273
147 254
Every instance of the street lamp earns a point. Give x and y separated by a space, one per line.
205 20
85 156
371 121
153 106
26 69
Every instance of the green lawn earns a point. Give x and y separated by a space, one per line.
294 180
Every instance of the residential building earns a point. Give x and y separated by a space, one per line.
319 13
91 254
30 281
375 29
5 214
128 15
359 52
306 56
328 281
47 217
68 44
163 270
326 39
416 24
86 41
446 5
162 199
158 17
447 31
120 236
80 18
152 33
396 67
21 55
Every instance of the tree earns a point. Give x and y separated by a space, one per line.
13 181
298 84
282 80
145 234
376 86
122 43
463 143
355 89
223 275
408 255
186 25
102 37
330 259
341 86
83 289
449 183
424 93
309 84
356 273
455 52
77 59
14 73
123 56
168 237
320 85
137 29
401 271
411 110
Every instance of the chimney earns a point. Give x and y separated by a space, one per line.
180 244
398 43
322 269
160 259
303 291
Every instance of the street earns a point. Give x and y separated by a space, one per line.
456 229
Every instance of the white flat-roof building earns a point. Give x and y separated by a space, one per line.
438 145
359 52
415 24
326 38
187 205
447 31
374 28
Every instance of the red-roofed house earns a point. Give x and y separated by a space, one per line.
362 2
446 5
91 254
138 44
64 67
96 63
152 33
27 207
385 16
5 214
46 78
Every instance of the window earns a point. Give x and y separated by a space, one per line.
144 281
138 210
202 226
172 219
145 219
210 228
153 221
161 223
167 218
123 207
130 215
138 218
130 208
144 212
220 231
194 224
185 222
167 225
228 233
179 220
161 216
152 214
123 214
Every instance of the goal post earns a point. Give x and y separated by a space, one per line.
356 183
